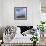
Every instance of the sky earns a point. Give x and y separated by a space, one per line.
20 11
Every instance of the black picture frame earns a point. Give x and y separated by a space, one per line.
20 13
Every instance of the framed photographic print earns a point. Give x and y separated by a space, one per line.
20 13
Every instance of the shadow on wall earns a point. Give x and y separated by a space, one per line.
1 32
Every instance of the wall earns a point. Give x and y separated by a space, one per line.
0 13
36 6
33 12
